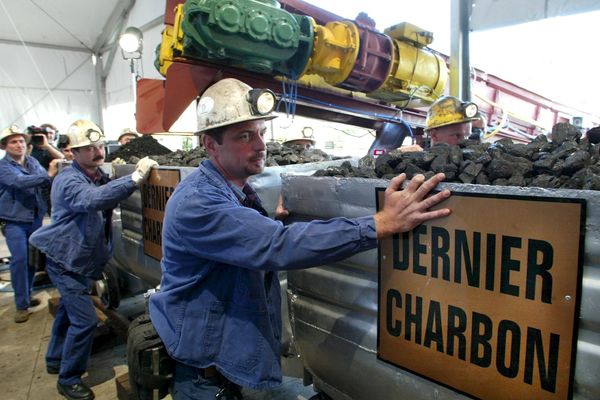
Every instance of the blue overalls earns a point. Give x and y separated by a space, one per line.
78 245
22 208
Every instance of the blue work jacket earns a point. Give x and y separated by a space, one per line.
78 237
219 302
20 189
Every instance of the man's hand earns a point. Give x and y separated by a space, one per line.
281 212
53 167
142 170
405 209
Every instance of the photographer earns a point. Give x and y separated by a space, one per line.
22 208
41 144
43 151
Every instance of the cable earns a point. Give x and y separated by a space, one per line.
369 132
289 96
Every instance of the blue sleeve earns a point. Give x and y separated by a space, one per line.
11 177
81 196
211 226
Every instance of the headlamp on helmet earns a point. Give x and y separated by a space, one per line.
262 101
93 135
470 109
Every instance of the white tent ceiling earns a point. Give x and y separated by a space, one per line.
47 48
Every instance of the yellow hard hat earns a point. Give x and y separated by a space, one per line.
12 130
231 101
85 133
449 110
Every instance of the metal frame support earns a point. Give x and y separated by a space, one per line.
460 68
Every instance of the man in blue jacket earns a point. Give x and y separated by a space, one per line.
78 245
218 309
22 208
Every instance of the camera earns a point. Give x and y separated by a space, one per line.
37 139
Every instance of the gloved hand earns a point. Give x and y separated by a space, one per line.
142 170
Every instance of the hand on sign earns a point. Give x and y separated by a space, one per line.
142 170
405 209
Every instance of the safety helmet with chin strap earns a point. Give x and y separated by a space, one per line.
449 110
230 101
12 130
85 133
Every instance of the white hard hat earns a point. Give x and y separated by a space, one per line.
12 130
126 132
305 133
231 101
85 133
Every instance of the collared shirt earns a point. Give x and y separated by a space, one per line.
76 238
217 306
21 197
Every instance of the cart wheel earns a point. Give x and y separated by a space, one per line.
107 288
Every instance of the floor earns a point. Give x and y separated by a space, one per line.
22 367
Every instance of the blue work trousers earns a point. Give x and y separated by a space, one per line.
21 273
188 384
74 325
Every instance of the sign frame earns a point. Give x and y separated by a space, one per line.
572 345
152 217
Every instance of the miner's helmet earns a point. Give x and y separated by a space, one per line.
85 133
12 130
303 137
449 110
127 132
230 101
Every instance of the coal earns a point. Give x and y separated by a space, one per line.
567 162
277 154
137 148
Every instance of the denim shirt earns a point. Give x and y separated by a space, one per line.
77 238
20 189
219 302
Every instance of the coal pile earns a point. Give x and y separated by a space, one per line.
278 154
566 162
140 147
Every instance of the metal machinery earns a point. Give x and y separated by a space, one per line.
343 71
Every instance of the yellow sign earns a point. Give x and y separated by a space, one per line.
486 301
155 193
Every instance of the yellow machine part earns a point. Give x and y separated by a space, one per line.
335 50
405 31
418 77
171 45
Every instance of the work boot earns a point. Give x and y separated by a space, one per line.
52 369
33 302
77 391
21 316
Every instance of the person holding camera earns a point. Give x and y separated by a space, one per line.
22 208
41 149
41 144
